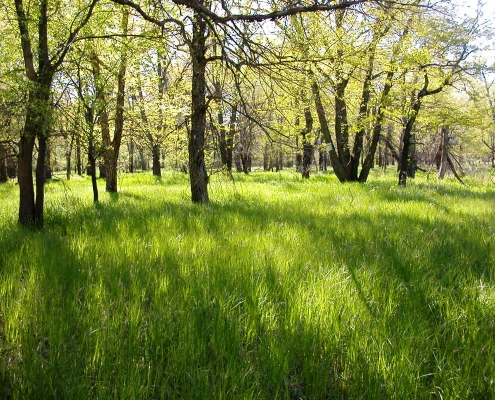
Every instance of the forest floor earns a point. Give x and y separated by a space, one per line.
280 288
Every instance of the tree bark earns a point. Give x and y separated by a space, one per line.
111 183
38 115
3 164
155 145
157 168
196 141
334 158
407 164
441 158
78 155
226 138
92 163
377 129
308 149
131 147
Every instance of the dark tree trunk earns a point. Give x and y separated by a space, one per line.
157 170
441 158
238 161
226 138
37 121
229 140
334 158
363 114
38 116
196 141
69 156
155 146
307 159
78 155
92 163
25 175
3 164
143 162
407 145
111 164
131 146
36 126
279 160
407 167
48 163
267 157
377 129
307 146
342 128
246 162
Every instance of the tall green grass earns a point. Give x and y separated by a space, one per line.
278 289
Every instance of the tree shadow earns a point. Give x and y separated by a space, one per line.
196 329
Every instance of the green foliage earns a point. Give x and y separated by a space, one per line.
280 288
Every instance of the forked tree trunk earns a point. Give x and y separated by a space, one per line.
334 158
37 123
31 208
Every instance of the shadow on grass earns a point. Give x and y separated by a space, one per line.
197 332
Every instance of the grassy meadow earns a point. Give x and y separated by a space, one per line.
279 289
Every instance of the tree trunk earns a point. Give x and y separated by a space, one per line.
78 155
229 140
226 138
36 126
266 157
377 129
143 162
157 170
196 141
407 144
442 155
155 146
3 164
308 149
69 156
131 147
334 158
342 129
25 175
92 163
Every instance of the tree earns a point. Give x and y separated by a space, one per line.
207 17
39 83
443 63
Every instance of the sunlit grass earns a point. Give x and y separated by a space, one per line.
280 288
